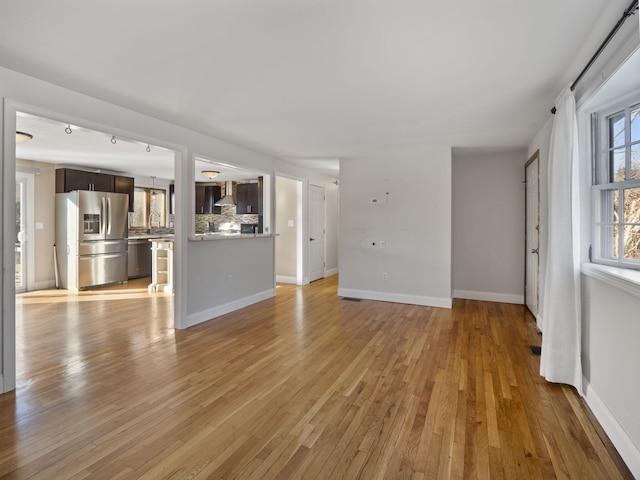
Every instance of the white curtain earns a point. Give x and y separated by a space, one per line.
561 318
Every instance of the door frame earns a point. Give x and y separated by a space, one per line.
299 227
183 169
324 230
534 157
27 176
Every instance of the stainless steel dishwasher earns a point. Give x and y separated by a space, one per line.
139 258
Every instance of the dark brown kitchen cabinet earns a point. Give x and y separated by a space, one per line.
247 198
206 196
68 179
124 185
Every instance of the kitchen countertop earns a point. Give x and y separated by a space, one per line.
149 236
226 236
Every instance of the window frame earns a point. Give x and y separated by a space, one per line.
148 192
602 246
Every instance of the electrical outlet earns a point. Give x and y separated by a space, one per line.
383 244
385 276
229 279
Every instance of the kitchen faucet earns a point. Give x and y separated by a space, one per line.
151 217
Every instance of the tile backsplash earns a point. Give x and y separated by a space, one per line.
228 215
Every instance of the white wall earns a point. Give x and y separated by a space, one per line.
488 226
412 217
610 358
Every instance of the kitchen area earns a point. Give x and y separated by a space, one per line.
110 215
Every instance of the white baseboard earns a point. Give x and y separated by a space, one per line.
489 296
395 297
286 279
331 271
211 313
625 445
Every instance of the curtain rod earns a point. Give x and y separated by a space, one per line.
627 13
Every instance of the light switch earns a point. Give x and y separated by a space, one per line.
289 223
39 225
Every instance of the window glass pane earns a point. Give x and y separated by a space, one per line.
632 242
635 124
139 208
632 205
617 165
634 171
616 130
157 207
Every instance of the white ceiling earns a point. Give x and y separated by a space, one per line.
314 81
90 149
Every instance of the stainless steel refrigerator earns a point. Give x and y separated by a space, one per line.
91 238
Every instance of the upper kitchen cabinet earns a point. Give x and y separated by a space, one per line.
206 196
68 179
248 198
124 185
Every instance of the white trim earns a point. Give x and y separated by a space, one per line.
489 296
395 297
286 279
331 271
30 226
211 313
624 279
623 443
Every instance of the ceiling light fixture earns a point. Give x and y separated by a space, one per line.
22 137
148 149
113 139
210 174
68 130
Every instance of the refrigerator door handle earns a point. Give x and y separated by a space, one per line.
108 215
103 214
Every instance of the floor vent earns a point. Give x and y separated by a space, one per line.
351 299
535 350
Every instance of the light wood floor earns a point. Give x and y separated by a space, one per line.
305 385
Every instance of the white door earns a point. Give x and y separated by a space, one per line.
532 244
316 232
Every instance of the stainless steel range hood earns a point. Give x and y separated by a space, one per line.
228 198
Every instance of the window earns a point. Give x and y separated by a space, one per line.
148 208
616 189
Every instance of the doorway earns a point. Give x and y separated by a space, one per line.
316 232
532 233
289 223
34 266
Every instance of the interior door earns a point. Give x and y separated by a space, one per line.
532 233
316 232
